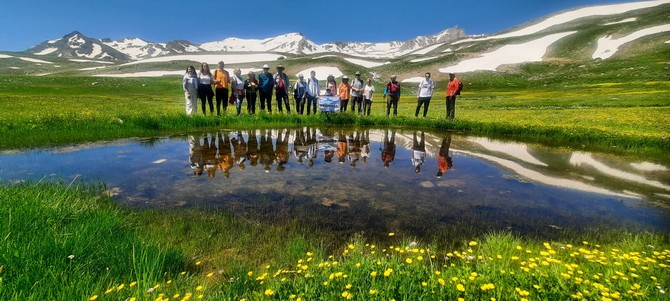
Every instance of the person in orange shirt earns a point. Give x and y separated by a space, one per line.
344 92
221 79
453 88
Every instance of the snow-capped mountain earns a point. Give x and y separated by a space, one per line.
138 49
77 45
294 43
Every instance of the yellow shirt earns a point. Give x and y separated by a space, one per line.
222 77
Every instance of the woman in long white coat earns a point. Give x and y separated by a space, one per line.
190 86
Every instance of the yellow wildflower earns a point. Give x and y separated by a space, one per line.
391 234
373 292
93 298
460 287
441 281
269 292
472 243
198 288
373 274
408 260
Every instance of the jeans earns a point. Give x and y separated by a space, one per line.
425 101
451 106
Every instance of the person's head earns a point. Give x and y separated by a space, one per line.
301 78
280 68
312 73
204 68
237 72
190 70
252 75
393 77
369 81
345 79
221 64
427 75
439 174
266 68
452 75
357 75
330 78
417 169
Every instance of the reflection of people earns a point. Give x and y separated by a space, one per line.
195 155
365 146
252 148
221 79
313 147
392 95
453 88
355 148
443 160
424 94
341 147
300 147
209 155
388 153
267 151
205 92
282 85
282 150
418 152
225 158
190 85
239 149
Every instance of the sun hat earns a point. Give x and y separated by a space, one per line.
266 66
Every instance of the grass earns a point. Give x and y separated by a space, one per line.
61 242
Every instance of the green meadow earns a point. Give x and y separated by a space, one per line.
70 242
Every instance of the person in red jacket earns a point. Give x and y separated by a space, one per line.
453 88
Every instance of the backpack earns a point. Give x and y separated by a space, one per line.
460 88
393 87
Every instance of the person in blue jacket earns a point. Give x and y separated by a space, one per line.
266 85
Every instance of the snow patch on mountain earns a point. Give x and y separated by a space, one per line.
322 72
47 51
621 21
364 63
608 46
427 49
601 10
531 51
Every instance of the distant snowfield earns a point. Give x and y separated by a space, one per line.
427 49
607 46
89 61
92 68
322 72
364 63
531 51
622 21
47 51
213 59
27 59
423 59
417 79
602 10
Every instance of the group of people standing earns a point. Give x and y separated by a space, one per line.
234 89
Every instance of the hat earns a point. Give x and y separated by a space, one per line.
266 66
451 73
394 76
358 73
280 66
345 77
300 76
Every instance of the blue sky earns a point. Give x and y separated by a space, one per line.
28 23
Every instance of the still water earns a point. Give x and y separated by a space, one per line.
366 179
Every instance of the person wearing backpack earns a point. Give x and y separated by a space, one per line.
357 87
392 95
281 87
300 94
424 94
453 88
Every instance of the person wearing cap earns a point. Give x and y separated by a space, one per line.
453 88
357 87
313 91
344 93
300 94
221 79
281 89
266 84
424 94
392 95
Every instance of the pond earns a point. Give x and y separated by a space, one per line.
373 180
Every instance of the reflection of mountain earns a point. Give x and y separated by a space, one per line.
573 170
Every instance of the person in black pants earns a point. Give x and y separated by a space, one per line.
266 84
281 84
205 92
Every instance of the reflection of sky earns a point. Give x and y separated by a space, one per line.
488 183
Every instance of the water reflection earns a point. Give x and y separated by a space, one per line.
367 179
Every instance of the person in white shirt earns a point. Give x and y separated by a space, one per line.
205 92
424 94
368 93
313 91
357 87
190 85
